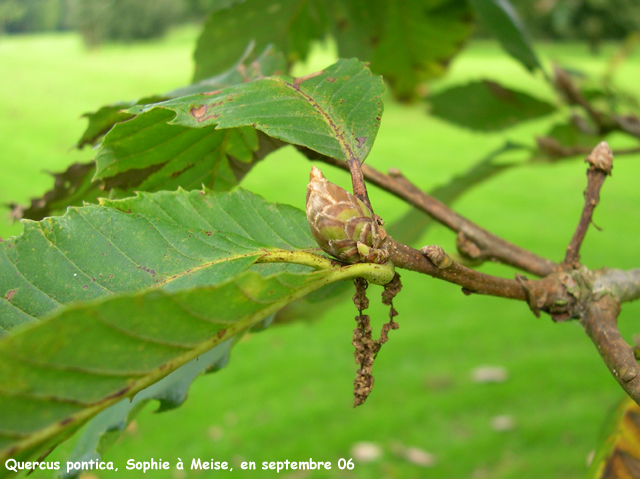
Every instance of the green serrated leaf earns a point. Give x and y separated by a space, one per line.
239 212
61 372
219 169
486 106
171 392
246 67
335 112
169 240
102 120
148 154
500 18
133 290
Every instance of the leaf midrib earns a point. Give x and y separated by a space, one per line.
339 135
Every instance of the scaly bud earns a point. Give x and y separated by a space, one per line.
341 224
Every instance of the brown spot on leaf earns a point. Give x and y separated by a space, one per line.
211 93
221 332
152 272
208 233
361 140
198 113
66 421
84 286
332 80
10 294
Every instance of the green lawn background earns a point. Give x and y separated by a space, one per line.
286 393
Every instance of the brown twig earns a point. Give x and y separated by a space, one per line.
565 85
472 281
491 246
571 291
629 124
593 297
415 222
600 163
600 324
553 148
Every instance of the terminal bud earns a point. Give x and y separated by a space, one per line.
342 225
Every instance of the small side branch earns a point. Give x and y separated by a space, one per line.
629 124
553 148
600 164
600 324
565 85
470 280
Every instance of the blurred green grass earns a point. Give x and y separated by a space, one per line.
286 393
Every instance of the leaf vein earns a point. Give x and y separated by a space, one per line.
89 278
125 332
21 275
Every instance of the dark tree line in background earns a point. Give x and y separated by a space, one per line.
102 21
